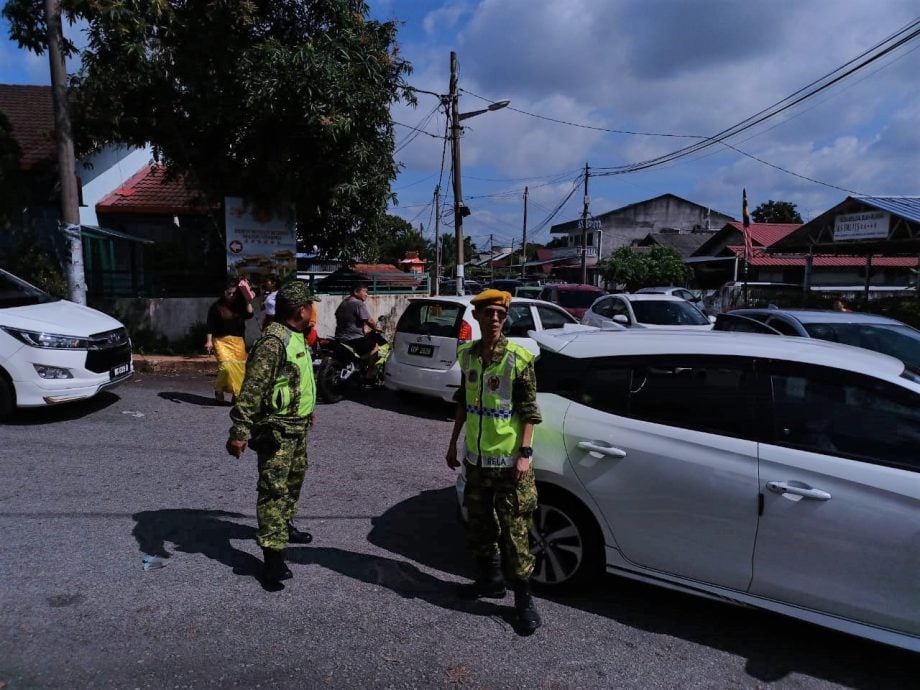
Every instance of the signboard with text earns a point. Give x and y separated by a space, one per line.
258 243
871 225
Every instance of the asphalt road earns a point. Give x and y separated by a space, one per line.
87 491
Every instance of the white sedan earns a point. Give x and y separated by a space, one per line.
660 312
782 473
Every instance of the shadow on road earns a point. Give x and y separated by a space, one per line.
196 531
403 578
405 403
425 529
35 416
191 398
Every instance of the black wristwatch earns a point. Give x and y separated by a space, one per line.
526 452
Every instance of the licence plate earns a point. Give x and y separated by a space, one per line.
421 350
120 370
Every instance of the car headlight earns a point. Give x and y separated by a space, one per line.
50 341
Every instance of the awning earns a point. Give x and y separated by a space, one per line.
99 233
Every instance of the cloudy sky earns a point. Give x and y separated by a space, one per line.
615 68
685 67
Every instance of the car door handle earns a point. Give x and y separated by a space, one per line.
599 447
798 489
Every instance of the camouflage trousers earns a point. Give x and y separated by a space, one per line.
499 515
282 466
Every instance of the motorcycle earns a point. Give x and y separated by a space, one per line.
340 370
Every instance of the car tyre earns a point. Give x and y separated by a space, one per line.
328 384
566 542
7 397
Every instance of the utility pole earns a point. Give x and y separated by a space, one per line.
584 232
491 258
454 98
437 240
67 164
524 239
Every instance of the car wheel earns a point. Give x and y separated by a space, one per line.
7 397
328 382
566 542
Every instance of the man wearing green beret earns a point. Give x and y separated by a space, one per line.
273 413
497 401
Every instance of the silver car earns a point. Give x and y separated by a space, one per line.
782 473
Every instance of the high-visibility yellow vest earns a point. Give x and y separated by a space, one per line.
294 389
493 429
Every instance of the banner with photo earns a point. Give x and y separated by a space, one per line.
258 243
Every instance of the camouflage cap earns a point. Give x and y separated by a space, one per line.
491 297
296 292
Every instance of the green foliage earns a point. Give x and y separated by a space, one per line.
634 270
776 212
389 239
285 103
449 252
35 265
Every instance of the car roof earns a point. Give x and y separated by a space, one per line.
466 299
574 286
821 316
649 297
658 290
600 342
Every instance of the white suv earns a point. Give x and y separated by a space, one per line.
779 473
54 351
424 355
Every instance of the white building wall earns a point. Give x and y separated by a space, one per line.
109 169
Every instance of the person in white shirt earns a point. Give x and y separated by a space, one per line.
269 291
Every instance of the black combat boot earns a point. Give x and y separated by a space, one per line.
275 569
489 585
528 620
296 536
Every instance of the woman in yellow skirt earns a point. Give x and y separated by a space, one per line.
226 327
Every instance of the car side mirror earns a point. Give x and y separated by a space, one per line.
712 319
620 318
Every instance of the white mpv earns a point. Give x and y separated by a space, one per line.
782 473
54 351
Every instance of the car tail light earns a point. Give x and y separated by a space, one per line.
466 332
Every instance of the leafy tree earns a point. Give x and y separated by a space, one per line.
449 252
391 237
283 102
776 212
660 266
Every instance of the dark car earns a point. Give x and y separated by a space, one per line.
575 298
868 331
449 287
506 284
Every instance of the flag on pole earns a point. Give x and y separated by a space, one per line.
746 220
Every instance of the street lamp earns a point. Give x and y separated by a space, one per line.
460 209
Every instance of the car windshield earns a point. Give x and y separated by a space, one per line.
431 318
577 299
18 293
897 340
668 313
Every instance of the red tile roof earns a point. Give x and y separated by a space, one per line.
149 192
760 259
766 234
31 114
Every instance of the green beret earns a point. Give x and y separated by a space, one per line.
490 297
295 293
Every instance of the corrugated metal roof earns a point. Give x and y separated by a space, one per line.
824 260
905 206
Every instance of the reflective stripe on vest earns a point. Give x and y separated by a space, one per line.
493 430
294 390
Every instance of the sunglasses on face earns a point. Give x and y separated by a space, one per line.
499 314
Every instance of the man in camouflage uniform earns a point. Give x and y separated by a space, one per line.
273 413
497 403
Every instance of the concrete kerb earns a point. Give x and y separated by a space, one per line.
169 365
